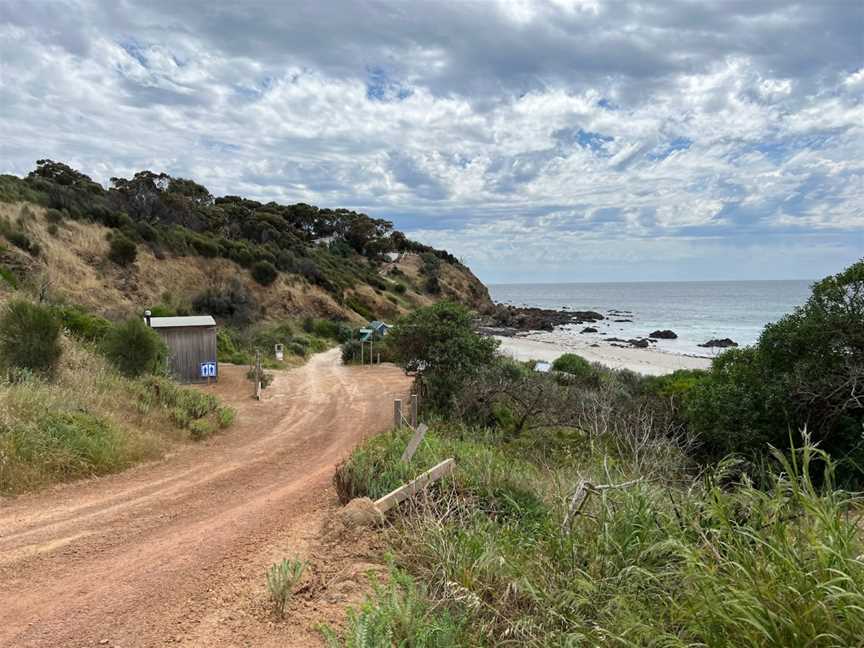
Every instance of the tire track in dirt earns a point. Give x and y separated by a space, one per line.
135 558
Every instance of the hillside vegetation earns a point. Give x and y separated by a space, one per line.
85 418
593 507
157 241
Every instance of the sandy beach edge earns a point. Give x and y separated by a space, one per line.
644 361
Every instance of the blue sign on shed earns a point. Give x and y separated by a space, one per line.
208 369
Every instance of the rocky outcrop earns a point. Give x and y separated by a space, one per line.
638 343
722 343
527 319
665 334
588 329
586 316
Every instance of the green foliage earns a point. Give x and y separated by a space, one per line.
804 372
439 343
183 405
135 349
9 277
29 337
200 429
264 273
574 365
282 578
20 239
351 352
122 250
230 302
399 613
82 324
225 416
66 445
650 563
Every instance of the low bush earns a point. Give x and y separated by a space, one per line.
29 337
8 277
82 324
574 365
122 251
200 429
351 352
22 241
225 416
135 348
399 613
264 273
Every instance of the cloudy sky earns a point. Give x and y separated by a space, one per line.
574 140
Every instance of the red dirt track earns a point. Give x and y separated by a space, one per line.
173 552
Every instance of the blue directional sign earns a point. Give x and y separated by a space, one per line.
208 369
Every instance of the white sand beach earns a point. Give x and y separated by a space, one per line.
548 346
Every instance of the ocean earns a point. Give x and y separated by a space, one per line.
697 311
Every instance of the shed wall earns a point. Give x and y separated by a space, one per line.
188 347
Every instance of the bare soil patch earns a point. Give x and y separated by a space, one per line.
174 552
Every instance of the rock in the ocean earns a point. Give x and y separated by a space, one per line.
624 320
665 334
720 344
638 343
588 329
587 316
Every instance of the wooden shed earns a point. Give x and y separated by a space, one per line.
191 346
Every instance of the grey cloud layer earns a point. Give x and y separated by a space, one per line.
514 133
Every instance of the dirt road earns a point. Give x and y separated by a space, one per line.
174 552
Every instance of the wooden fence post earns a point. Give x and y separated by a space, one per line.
258 375
415 406
397 413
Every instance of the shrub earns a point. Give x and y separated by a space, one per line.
264 273
134 348
81 324
439 343
184 405
231 302
399 613
282 578
123 251
22 241
8 276
200 429
574 365
29 337
351 351
54 216
226 416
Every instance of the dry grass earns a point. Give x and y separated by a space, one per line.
89 420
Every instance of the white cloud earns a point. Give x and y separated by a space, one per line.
537 136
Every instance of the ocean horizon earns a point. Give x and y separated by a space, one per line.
697 311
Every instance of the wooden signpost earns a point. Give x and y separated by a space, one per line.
402 493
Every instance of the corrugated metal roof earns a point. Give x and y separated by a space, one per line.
172 322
